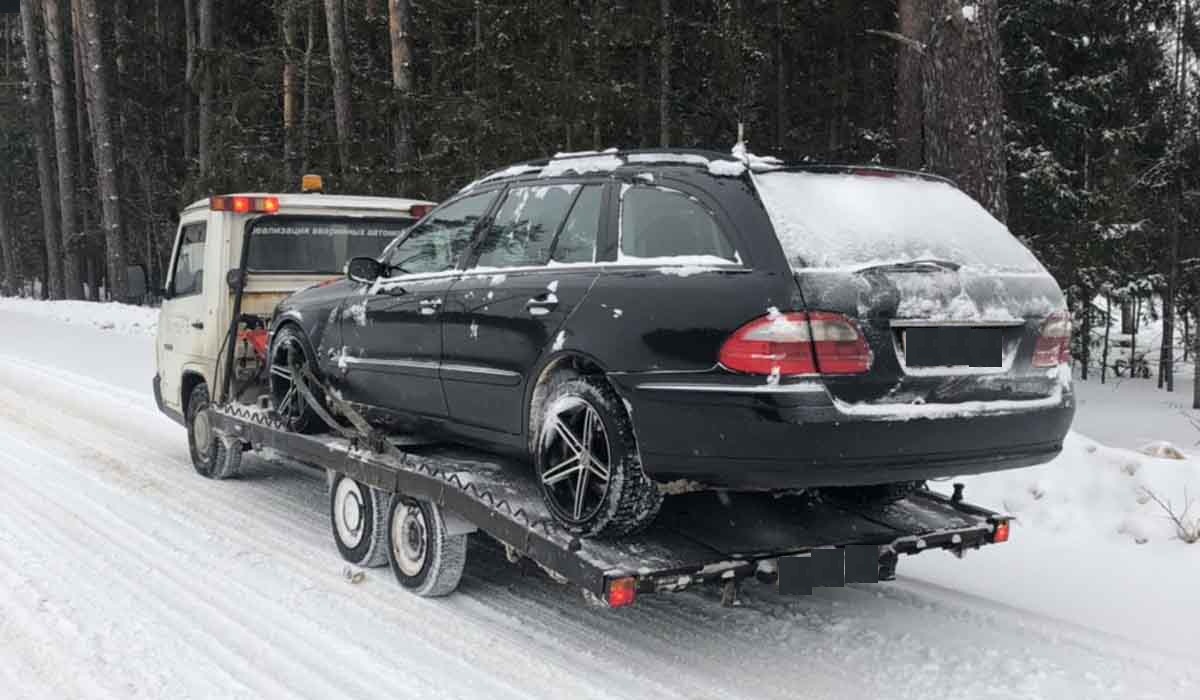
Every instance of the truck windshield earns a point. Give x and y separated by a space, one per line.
317 245
857 221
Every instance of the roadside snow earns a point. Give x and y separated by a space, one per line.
109 316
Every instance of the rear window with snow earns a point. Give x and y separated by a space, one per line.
839 220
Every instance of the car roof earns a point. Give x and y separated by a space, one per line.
312 202
614 160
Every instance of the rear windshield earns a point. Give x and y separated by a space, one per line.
317 245
845 221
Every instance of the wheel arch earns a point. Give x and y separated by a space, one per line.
570 361
188 382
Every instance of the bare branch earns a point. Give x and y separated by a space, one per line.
904 41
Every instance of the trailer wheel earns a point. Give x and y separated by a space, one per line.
425 558
212 456
358 514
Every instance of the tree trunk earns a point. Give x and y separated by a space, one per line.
781 104
291 84
400 30
913 25
87 243
1196 358
1107 333
8 251
339 62
962 99
664 74
47 184
1087 334
1137 319
310 41
189 80
96 82
64 140
206 74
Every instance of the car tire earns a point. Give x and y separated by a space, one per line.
289 353
213 457
426 559
358 515
585 421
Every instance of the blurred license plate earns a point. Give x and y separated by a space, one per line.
953 347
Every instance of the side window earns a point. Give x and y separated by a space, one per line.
438 243
524 229
187 278
577 241
662 223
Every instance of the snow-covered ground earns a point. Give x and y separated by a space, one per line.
122 574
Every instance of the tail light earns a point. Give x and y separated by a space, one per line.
815 342
245 205
1000 533
622 592
1054 341
418 211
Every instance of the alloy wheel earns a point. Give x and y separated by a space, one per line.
287 362
576 460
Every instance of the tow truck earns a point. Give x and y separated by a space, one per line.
395 500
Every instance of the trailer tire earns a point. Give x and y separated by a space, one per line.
426 559
213 457
358 516
628 501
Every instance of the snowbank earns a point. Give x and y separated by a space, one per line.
1092 491
121 318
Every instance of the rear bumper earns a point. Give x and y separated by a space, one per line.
797 436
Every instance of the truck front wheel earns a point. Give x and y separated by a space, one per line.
212 455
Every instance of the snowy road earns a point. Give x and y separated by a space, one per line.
123 574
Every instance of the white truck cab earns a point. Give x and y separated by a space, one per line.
290 241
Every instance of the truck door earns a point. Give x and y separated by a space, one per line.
185 312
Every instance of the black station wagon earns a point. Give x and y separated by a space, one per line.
646 322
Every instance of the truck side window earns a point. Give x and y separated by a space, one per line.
188 275
661 223
438 243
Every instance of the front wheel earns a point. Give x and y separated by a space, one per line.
212 456
587 462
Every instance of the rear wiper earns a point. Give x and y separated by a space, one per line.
919 265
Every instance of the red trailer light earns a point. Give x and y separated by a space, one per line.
1000 534
622 592
805 343
245 205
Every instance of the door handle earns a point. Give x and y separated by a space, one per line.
198 325
168 347
542 304
429 306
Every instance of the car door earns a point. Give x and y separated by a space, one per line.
182 342
531 269
391 329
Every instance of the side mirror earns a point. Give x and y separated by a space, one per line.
167 292
364 270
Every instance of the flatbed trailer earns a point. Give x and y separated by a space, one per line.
793 541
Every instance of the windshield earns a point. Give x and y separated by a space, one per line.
317 245
851 221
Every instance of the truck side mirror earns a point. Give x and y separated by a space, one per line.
364 270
